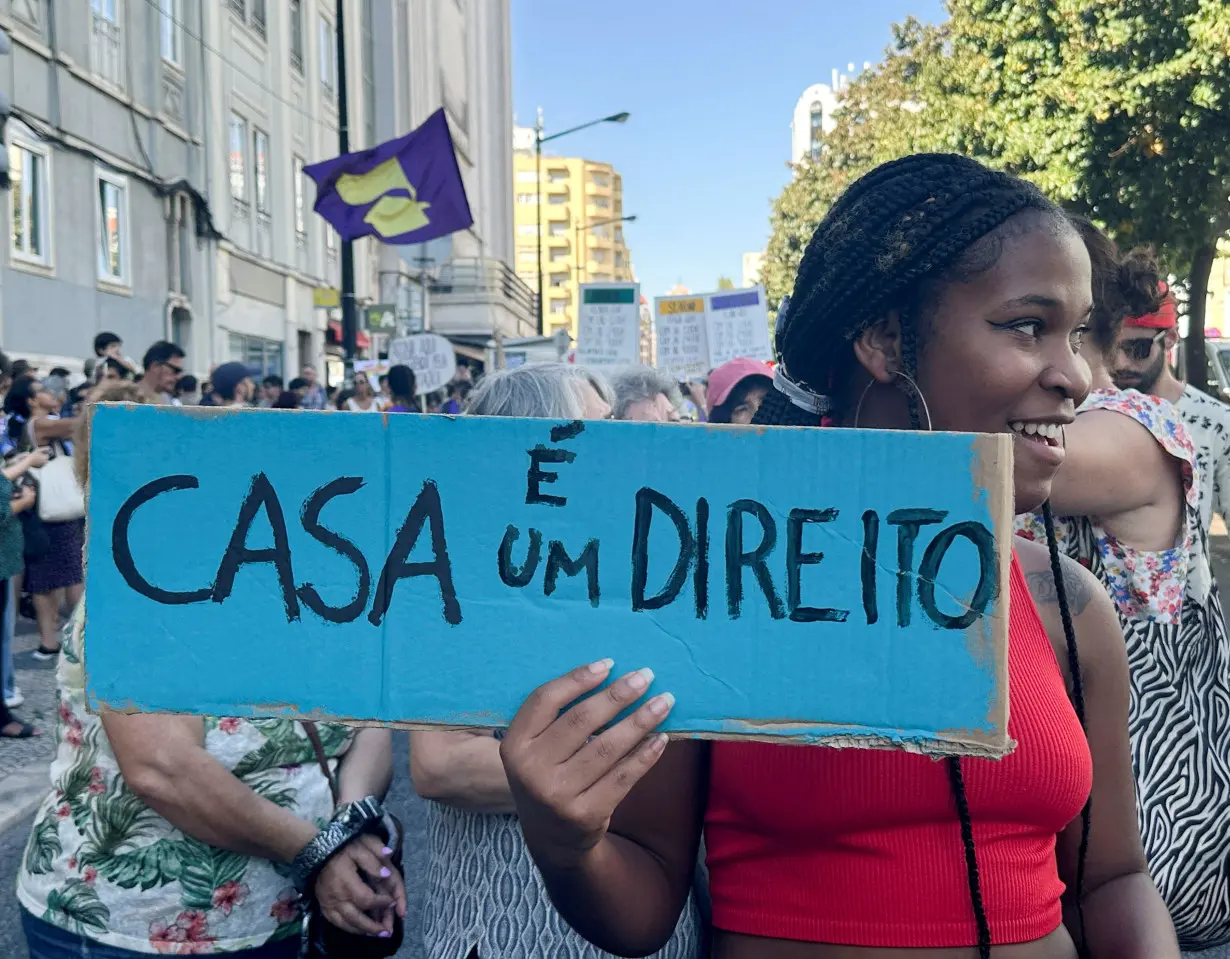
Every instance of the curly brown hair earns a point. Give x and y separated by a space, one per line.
1124 284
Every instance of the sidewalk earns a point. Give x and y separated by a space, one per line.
24 762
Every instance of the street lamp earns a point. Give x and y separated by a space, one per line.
582 264
539 140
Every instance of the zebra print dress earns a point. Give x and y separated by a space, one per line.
1179 662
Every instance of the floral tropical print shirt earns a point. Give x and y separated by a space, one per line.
103 865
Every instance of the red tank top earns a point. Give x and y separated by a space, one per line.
863 847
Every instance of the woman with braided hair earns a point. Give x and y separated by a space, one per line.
1127 508
936 293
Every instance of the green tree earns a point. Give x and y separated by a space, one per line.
1117 107
725 283
1113 107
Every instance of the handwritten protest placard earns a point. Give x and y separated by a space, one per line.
683 343
609 324
431 357
784 584
738 326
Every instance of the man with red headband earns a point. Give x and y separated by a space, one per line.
1141 365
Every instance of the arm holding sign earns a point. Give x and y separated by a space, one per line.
1123 913
462 769
612 817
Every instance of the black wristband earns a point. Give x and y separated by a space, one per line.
348 822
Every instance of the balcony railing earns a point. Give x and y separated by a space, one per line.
488 281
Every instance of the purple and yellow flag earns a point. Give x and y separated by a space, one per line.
407 190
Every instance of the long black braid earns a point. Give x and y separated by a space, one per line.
1078 702
886 245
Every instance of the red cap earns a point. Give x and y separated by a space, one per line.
729 375
1164 319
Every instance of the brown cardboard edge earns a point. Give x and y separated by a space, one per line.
992 472
965 744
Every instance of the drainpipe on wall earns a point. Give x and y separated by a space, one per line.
211 246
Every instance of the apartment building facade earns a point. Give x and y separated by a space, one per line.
183 127
105 210
582 228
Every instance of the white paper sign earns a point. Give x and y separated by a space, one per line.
738 325
683 340
431 357
609 324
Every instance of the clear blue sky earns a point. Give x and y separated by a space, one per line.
711 85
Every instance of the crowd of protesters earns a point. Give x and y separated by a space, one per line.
578 832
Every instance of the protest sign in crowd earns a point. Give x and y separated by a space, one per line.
914 625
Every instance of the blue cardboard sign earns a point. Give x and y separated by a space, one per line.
834 586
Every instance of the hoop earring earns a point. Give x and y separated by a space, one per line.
913 386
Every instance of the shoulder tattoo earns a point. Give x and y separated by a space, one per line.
1076 581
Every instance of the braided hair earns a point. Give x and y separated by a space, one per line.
889 243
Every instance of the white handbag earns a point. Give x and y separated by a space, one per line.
60 497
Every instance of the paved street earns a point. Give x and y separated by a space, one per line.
23 780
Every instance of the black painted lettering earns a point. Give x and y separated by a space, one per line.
566 431
908 523
988 574
559 561
700 572
737 559
510 574
537 475
261 495
796 558
426 510
310 518
121 548
647 500
869 568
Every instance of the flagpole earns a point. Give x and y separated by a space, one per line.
349 313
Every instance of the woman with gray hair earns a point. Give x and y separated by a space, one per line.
646 394
558 391
483 896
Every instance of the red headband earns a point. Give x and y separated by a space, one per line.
1164 319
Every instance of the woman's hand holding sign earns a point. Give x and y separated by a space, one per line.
567 773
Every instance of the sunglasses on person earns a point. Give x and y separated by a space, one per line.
177 370
1139 349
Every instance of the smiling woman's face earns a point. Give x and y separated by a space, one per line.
1001 352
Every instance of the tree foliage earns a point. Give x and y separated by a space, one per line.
1117 108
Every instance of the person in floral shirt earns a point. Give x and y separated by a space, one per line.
172 835
1126 505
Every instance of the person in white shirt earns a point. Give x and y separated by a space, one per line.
1143 347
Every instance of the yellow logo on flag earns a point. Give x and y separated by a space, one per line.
391 215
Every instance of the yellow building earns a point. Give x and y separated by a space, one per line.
1217 315
582 238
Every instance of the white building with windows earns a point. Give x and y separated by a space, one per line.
183 126
272 94
815 115
105 149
